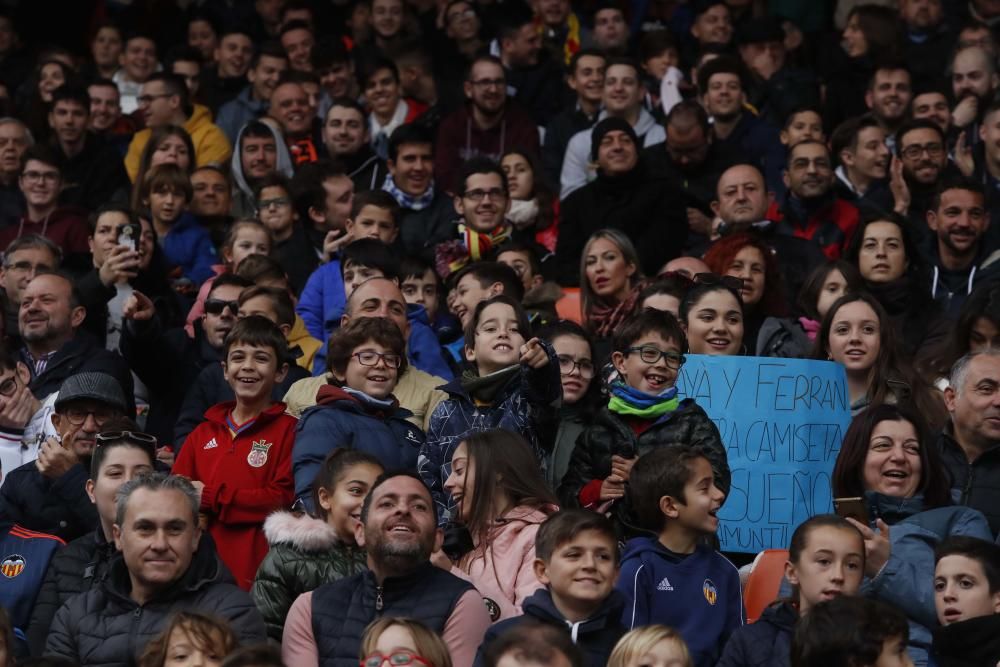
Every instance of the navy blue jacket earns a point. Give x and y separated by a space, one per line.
758 139
699 595
24 558
766 643
595 637
56 506
343 420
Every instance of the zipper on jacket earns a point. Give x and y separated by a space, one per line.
968 484
378 598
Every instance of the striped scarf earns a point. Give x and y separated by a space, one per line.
405 201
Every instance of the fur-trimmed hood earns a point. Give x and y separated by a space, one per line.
300 530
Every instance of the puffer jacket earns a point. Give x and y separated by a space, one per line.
906 581
783 337
79 566
515 407
503 571
210 144
610 435
104 627
766 643
305 554
352 421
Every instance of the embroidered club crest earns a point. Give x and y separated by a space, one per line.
493 608
12 566
710 592
258 453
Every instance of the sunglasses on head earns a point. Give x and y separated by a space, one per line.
105 437
216 306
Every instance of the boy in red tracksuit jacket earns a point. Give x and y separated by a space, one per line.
240 458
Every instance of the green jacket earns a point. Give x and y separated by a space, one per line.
305 553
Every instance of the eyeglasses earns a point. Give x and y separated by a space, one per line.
49 176
489 83
480 195
396 658
77 416
277 202
651 355
732 282
933 149
104 437
216 306
9 386
567 365
370 358
145 100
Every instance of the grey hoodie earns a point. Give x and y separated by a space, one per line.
244 202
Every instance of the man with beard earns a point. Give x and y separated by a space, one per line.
923 161
888 96
92 170
812 210
398 530
49 494
690 161
489 124
974 81
260 152
252 102
959 221
26 257
859 144
930 102
735 128
929 40
983 165
346 137
532 74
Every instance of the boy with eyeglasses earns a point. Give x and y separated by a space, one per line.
357 409
292 248
49 494
239 458
644 413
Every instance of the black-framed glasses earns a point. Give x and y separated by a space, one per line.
495 194
216 306
371 358
77 416
276 202
567 365
651 355
732 282
935 149
9 386
397 658
139 437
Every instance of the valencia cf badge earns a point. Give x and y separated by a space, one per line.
493 608
12 566
258 453
710 592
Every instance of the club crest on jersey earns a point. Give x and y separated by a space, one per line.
710 592
12 566
258 453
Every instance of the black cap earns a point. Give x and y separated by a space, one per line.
699 7
610 125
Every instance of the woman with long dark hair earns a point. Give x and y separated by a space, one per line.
888 460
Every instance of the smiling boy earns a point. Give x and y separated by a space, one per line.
240 457
674 578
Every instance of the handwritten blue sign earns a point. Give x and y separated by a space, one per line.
782 421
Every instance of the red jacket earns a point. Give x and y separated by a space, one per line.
247 477
831 227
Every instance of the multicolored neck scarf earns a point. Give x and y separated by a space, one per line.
408 201
472 246
631 402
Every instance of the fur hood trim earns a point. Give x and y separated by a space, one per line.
300 530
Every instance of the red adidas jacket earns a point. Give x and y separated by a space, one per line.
246 477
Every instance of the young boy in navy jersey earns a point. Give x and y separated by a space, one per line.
673 578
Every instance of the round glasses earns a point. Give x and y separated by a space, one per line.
567 365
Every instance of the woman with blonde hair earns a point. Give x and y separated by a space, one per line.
402 641
610 281
651 646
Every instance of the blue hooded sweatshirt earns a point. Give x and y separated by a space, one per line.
189 246
698 594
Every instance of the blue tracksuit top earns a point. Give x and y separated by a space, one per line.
699 595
